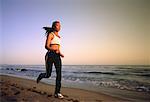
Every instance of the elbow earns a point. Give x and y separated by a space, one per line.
46 47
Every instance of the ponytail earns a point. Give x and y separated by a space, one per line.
48 30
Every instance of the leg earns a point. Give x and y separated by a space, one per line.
48 64
57 63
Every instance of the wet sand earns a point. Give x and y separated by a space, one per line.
23 90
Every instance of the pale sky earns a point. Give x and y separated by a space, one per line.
93 31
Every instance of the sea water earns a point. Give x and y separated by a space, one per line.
134 78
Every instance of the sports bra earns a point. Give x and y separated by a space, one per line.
55 40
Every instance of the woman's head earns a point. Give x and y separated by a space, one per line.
56 26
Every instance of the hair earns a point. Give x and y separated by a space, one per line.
50 29
54 23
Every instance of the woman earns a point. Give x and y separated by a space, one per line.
53 57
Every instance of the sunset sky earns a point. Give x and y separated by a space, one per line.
93 31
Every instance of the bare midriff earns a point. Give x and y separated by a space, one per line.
55 47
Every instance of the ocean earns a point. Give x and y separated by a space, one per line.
132 78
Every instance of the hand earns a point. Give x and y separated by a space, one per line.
62 55
57 51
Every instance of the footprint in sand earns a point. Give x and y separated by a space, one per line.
13 84
49 95
75 101
3 93
43 93
29 89
16 93
34 87
22 88
98 100
36 91
72 100
4 88
66 96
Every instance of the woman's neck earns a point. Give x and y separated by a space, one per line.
56 33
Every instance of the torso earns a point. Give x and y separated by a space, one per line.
55 44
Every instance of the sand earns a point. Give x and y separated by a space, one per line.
15 89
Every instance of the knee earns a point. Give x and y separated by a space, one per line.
47 75
58 78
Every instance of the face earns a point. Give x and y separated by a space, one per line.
57 27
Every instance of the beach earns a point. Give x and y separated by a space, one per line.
15 89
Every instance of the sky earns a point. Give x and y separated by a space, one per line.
93 32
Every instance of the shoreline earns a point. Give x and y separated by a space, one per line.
123 94
28 90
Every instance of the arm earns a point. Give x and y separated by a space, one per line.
48 41
62 55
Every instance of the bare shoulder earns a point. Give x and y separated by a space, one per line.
50 36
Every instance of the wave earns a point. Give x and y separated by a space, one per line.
109 73
145 75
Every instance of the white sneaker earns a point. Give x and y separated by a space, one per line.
59 95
